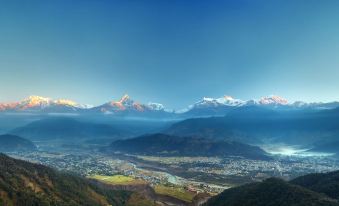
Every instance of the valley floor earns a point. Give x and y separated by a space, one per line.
180 177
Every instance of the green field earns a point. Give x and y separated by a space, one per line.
117 179
176 192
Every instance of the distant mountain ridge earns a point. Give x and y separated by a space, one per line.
41 104
223 105
127 107
13 143
67 129
331 147
255 124
167 145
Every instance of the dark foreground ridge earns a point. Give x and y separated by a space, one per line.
308 190
23 183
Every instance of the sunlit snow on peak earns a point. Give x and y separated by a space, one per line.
273 99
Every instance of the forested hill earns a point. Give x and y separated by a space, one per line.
170 145
308 190
23 183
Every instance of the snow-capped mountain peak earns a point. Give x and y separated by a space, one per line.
230 101
126 104
125 98
8 106
156 106
66 102
222 101
34 103
228 98
273 99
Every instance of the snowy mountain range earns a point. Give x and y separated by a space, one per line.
126 105
42 104
129 107
269 101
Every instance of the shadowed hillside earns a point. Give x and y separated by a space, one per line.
313 189
327 183
167 145
11 143
23 183
271 192
256 125
66 129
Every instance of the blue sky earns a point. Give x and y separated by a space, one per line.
169 51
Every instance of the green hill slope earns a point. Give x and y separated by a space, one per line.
271 192
23 183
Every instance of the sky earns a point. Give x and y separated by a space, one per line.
170 51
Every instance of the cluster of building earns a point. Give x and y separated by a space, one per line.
97 164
